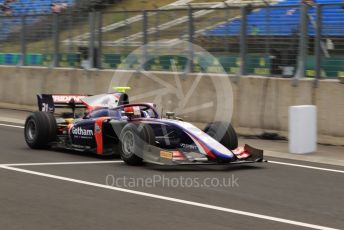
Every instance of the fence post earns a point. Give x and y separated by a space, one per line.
144 40
157 22
56 40
91 17
226 20
318 45
301 66
243 41
125 32
100 39
22 41
267 39
189 67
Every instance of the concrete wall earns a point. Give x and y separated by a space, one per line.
260 103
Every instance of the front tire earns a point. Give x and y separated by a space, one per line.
223 133
133 139
40 130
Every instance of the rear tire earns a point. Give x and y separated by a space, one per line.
133 139
40 130
223 134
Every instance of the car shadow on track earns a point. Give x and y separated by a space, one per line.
85 155
150 166
188 168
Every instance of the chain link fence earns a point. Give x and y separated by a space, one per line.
259 38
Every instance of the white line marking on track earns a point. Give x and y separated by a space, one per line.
306 166
62 163
171 199
12 126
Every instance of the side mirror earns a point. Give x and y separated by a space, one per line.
170 115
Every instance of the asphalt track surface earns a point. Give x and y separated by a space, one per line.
79 193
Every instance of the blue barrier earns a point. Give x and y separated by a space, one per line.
285 21
26 7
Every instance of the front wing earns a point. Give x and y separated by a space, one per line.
159 156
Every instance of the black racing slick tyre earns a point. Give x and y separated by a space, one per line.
133 139
223 133
40 130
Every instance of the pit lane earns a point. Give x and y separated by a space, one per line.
34 201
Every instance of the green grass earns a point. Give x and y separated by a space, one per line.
139 5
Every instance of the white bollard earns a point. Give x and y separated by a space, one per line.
302 129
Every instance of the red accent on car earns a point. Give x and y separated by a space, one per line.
176 155
66 98
241 152
98 134
207 151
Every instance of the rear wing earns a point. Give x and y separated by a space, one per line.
49 102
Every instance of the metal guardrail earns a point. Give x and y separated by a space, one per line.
273 40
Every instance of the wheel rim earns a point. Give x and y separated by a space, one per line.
31 130
128 144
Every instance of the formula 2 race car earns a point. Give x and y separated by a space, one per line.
108 124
